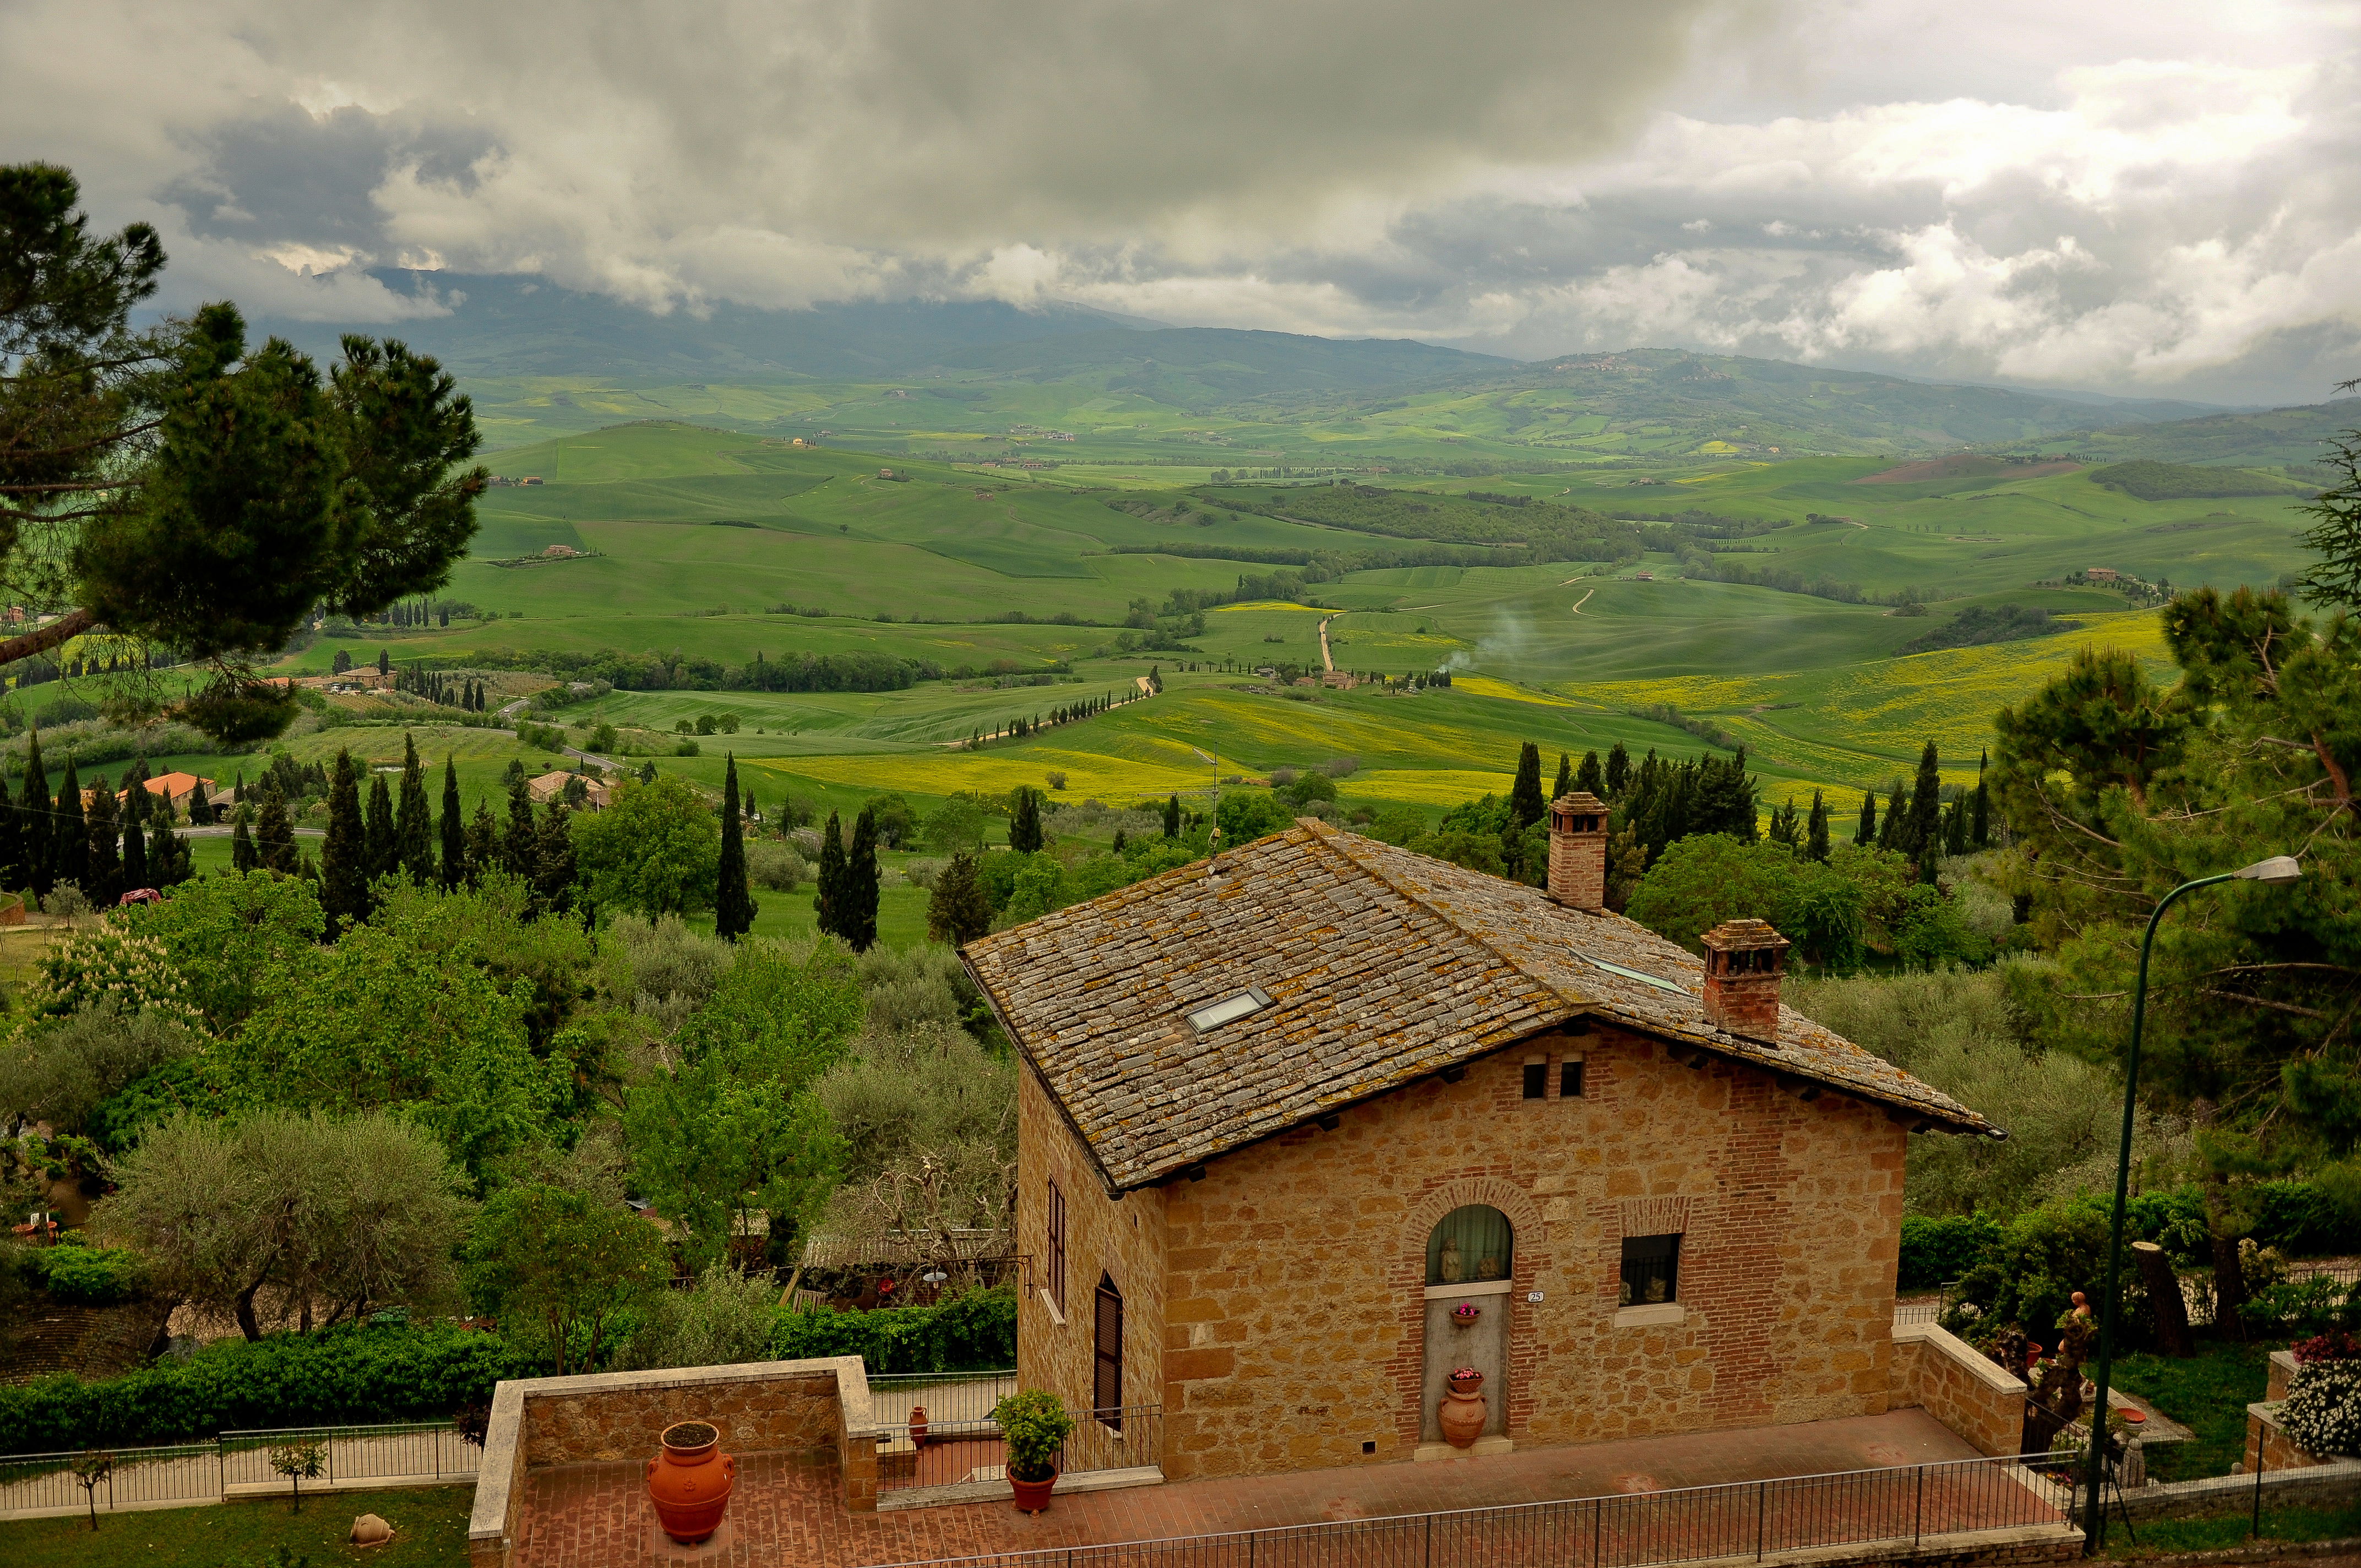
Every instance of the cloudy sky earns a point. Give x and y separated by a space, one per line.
2161 199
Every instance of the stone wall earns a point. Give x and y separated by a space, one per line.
758 1406
1293 1329
1123 1240
2282 1373
1962 1389
2268 1441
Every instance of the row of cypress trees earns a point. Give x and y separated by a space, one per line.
847 898
101 846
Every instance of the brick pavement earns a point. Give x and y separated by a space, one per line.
788 1512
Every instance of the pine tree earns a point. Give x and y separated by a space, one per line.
860 883
1815 833
1590 777
39 827
344 854
483 843
1172 816
103 883
520 849
958 911
828 898
1618 771
384 843
1525 803
1787 828
1025 828
1565 777
733 903
414 821
72 833
274 835
242 855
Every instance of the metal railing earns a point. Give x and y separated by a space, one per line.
1748 1519
956 1452
947 1396
202 1472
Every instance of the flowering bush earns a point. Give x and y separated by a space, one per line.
2336 1344
105 965
2322 1412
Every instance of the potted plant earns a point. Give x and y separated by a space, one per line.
1035 1427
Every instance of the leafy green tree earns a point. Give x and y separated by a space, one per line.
1708 878
957 910
1025 834
62 1070
1525 803
656 849
344 853
733 901
483 845
223 934
381 839
455 828
829 897
72 863
414 823
565 1263
861 884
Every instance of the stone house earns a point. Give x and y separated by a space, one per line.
1305 1127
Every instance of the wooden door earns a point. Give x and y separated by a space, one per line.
1106 1389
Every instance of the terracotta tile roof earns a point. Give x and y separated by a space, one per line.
1381 967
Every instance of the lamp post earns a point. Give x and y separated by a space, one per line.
2276 871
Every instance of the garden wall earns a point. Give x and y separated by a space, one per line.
1944 1374
759 1407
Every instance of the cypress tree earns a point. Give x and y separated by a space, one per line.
1589 776
384 662
1525 803
39 827
72 863
827 897
958 911
384 844
860 883
201 811
1565 777
521 849
1979 820
1866 834
344 854
11 842
733 904
1618 771
414 822
103 886
455 827
1897 819
552 865
168 859
135 842
274 835
242 855
1815 833
1955 827
1925 826
1787 828
483 843
1025 828
1172 816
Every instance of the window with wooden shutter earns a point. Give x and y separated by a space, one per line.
1106 1384
1056 1261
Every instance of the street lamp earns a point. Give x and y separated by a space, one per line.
2278 872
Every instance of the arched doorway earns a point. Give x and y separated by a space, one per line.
1470 1260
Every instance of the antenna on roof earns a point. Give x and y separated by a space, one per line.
1214 874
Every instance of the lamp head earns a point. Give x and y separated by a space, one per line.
2276 871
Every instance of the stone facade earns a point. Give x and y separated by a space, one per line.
1278 1304
1944 1374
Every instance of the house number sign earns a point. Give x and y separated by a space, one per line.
1532 1295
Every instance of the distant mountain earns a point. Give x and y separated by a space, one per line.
1213 366
2279 438
510 326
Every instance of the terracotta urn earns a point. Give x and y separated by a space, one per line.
1461 1414
918 1426
690 1481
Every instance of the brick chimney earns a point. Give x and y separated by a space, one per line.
1578 841
1743 959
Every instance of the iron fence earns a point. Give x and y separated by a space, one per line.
1642 1530
202 1472
181 1473
351 1453
948 1397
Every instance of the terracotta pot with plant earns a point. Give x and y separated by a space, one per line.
1035 1427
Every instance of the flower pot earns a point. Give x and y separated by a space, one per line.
918 1426
1032 1496
1461 1414
690 1481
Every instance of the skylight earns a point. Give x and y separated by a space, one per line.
1659 983
1229 1010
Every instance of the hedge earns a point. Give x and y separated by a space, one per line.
1935 1251
390 1372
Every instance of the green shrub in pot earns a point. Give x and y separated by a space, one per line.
1034 1426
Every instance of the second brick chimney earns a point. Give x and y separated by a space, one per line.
1743 960
1577 853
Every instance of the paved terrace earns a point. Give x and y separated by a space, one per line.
789 1514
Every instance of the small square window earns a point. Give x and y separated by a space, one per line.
1651 1270
1537 1081
1569 1080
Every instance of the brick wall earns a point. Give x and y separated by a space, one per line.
1123 1240
1957 1387
1293 1328
2267 1437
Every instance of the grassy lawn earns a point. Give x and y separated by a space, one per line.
430 1530
2208 1394
2164 1536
